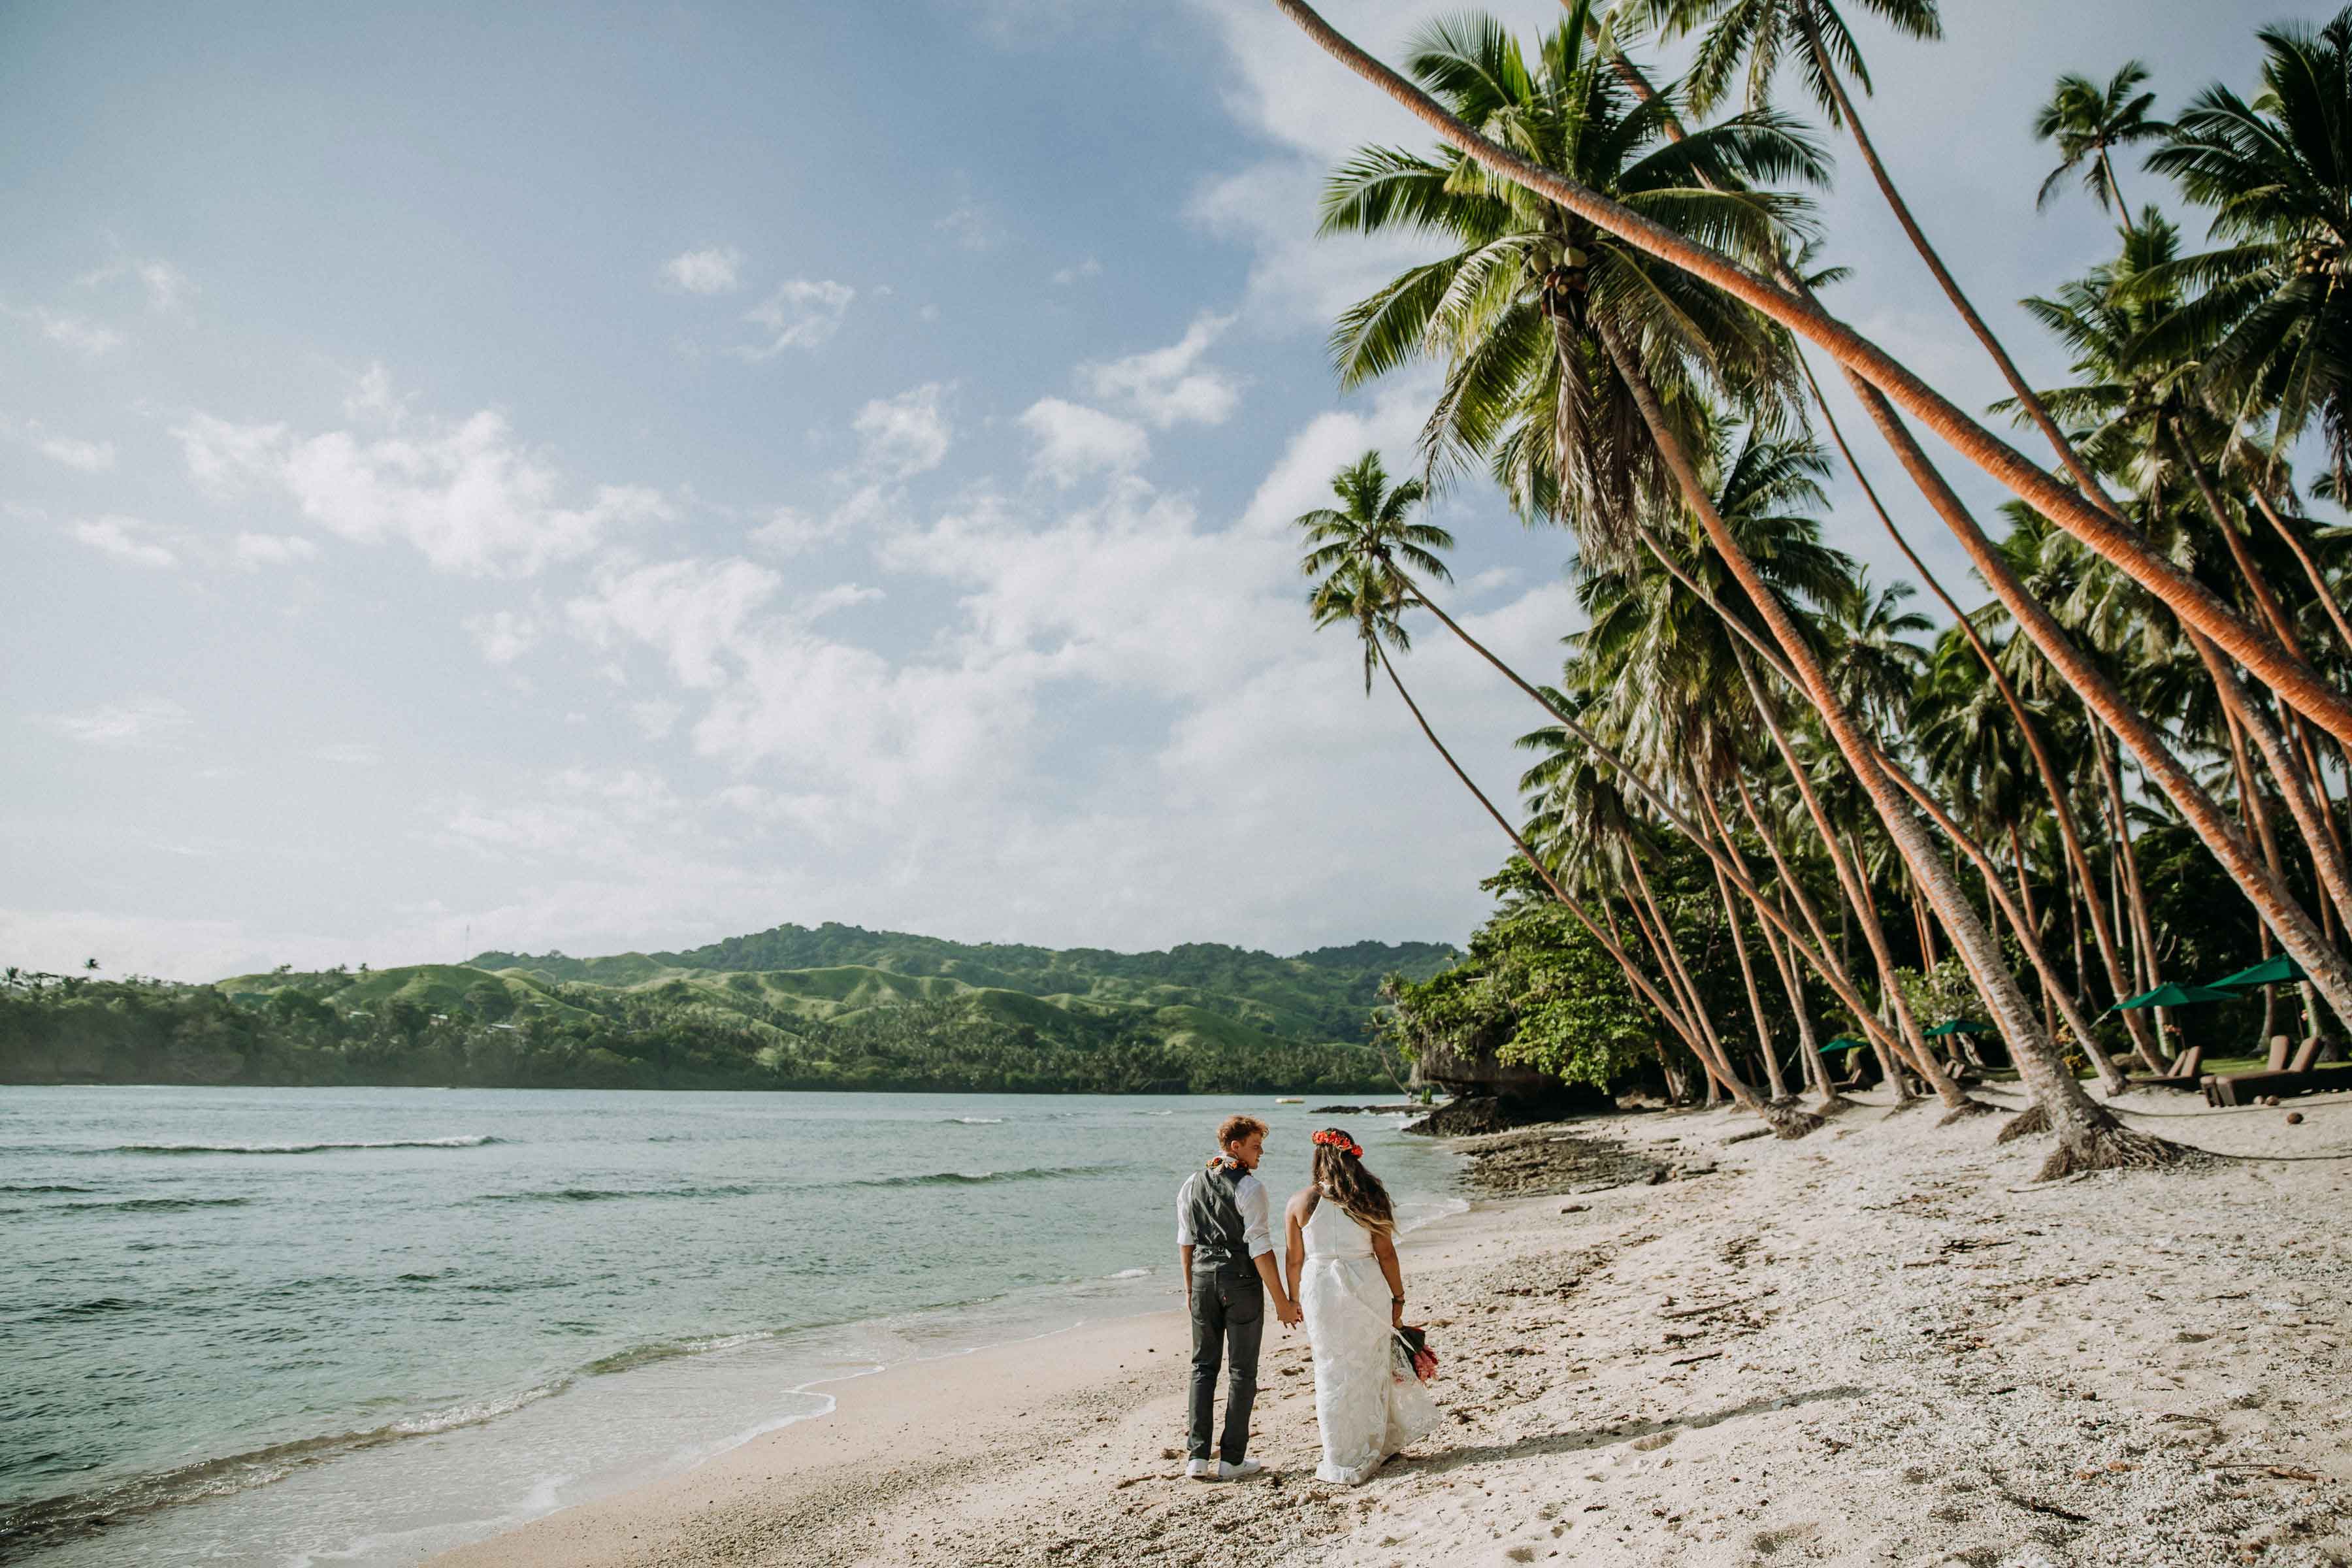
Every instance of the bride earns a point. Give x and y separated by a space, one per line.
1342 1268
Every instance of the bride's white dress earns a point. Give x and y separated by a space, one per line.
1366 1412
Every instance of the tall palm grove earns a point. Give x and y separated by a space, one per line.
1897 834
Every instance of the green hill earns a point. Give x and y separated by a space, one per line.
831 1008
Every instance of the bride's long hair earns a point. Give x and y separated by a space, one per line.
1339 1175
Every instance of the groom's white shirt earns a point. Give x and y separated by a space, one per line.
1249 1198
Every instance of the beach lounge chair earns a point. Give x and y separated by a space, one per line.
2182 1074
2282 1077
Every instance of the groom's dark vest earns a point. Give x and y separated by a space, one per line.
1219 1236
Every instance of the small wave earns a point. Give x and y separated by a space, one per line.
1155 1113
669 1350
47 1521
45 1187
104 1306
977 1178
163 1205
1443 1208
608 1194
471 1141
1129 1274
975 1120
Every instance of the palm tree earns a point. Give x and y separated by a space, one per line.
2135 344
2095 525
1373 525
1759 34
2088 122
2278 173
1873 663
1512 309
1358 589
1606 322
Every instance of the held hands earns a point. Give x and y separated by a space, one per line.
1286 1312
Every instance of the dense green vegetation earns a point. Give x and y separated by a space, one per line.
2127 767
863 1010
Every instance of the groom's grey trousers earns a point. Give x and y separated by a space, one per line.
1228 1319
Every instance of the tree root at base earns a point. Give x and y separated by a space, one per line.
1835 1105
2024 1124
1909 1103
1968 1106
2114 1147
1787 1121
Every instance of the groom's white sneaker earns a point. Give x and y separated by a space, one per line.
1203 1469
1226 1472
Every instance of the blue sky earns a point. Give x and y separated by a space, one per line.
613 477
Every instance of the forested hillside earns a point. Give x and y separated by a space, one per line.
835 1008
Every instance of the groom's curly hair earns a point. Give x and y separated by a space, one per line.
1233 1129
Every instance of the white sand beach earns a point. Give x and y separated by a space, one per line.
1881 1343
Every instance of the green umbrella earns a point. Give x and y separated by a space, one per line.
1843 1043
2173 994
2281 970
1960 1027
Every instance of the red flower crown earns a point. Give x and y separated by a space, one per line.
1341 1141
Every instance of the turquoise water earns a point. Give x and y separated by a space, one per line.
300 1326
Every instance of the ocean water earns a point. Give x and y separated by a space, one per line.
307 1326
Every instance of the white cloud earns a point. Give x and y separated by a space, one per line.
373 400
789 531
1170 386
1089 267
716 270
970 227
802 313
166 287
898 438
89 457
120 538
466 494
140 721
63 327
503 635
901 436
656 716
692 613
598 815
224 458
273 549
1074 441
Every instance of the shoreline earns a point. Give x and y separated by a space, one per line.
872 1416
1909 1350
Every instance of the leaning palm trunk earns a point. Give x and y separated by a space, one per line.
1817 1071
1890 1047
1726 1070
2088 1136
1781 1121
2271 900
2027 398
2070 1012
2053 784
2245 710
1747 972
1822 961
2195 605
2319 584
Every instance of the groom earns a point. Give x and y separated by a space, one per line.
1224 1242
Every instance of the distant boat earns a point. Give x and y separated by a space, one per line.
1291 1099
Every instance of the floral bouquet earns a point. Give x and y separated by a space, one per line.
1413 1355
